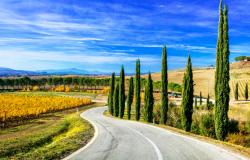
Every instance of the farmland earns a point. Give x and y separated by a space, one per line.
17 107
204 78
46 125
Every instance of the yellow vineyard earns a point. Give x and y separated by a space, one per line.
18 107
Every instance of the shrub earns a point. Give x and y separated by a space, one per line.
157 113
195 127
174 117
233 126
207 125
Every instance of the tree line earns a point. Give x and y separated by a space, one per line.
116 101
46 83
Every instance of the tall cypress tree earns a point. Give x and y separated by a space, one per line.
246 92
187 97
122 93
236 92
116 100
164 89
111 93
130 96
195 101
222 78
137 90
148 100
200 98
208 102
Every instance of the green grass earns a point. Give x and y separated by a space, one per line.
52 136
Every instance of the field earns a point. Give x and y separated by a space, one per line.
17 107
204 78
50 135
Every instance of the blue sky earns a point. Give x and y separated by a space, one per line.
102 35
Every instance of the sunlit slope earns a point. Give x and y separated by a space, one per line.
204 78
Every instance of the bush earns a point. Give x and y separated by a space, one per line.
157 113
174 116
233 126
195 127
207 125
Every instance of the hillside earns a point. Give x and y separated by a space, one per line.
204 78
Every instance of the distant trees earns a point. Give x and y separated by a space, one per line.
122 93
148 100
200 98
222 77
208 102
137 90
187 97
236 92
111 93
164 89
246 92
242 58
130 96
116 100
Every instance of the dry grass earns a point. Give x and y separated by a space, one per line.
204 78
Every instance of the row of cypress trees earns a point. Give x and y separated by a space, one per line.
221 88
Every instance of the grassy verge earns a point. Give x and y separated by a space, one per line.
229 146
53 136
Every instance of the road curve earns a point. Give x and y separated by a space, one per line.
122 140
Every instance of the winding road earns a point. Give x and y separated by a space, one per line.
127 140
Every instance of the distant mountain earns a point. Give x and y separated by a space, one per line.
69 71
12 72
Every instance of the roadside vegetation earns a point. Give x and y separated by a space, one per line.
210 118
51 136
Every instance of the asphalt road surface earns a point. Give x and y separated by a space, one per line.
127 140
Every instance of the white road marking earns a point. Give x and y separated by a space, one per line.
157 150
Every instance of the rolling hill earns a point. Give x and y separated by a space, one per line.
204 78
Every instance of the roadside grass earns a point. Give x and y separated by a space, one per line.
53 136
236 143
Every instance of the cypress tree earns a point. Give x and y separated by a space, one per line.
187 97
195 101
200 98
246 92
137 90
208 102
130 96
148 100
116 100
222 78
111 93
236 92
164 89
122 93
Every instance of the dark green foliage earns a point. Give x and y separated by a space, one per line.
207 125
116 100
233 126
111 94
200 98
242 58
246 92
236 92
130 96
187 97
137 91
208 102
164 89
195 102
122 93
222 78
148 100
